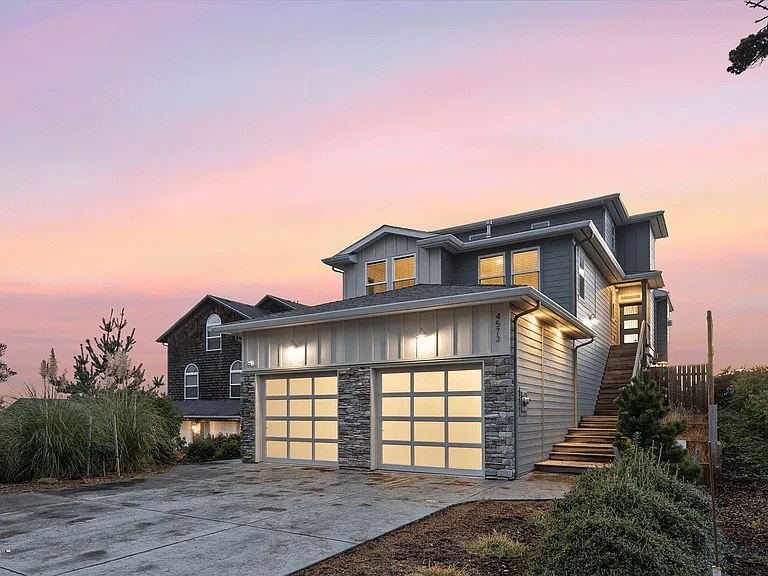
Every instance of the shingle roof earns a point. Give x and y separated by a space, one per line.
212 408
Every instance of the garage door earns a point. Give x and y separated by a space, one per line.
300 419
431 420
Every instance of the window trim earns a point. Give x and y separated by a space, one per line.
233 371
208 337
196 373
389 273
536 249
369 285
395 280
503 274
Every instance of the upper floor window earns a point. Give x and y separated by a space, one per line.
235 378
582 274
212 341
404 272
491 269
191 382
390 274
525 267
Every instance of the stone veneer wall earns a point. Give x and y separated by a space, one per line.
248 417
355 417
499 413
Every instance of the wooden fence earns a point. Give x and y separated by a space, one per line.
686 385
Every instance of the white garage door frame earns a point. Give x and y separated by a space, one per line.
383 440
298 418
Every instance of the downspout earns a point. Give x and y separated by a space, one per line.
591 338
516 386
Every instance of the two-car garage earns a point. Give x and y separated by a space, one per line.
428 419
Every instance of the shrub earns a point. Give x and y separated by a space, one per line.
633 517
641 412
214 448
497 545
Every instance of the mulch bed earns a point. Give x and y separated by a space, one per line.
440 540
744 521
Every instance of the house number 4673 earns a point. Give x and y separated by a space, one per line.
498 327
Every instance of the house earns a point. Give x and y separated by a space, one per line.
204 368
467 350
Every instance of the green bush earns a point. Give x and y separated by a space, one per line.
53 437
641 411
744 426
633 517
214 448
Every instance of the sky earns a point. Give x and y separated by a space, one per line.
153 153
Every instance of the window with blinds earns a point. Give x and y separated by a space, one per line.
525 267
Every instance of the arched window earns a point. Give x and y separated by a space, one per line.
235 378
191 382
212 342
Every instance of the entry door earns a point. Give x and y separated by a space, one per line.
630 323
431 420
301 419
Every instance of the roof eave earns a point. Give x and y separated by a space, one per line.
163 339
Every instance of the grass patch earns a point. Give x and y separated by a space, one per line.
497 545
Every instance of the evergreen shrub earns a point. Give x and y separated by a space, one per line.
214 448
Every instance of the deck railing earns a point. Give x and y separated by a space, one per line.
686 385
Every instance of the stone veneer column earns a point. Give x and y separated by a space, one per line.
499 410
248 417
355 418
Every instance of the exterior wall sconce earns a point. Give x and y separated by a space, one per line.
294 351
251 363
524 401
422 336
593 319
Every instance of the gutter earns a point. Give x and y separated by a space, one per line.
516 386
576 348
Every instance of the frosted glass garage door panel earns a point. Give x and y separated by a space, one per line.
325 407
429 381
301 387
277 428
301 408
465 380
396 455
464 406
301 429
395 383
465 432
326 430
396 430
326 452
275 449
396 406
276 387
300 451
465 458
428 406
429 456
429 431
326 386
276 408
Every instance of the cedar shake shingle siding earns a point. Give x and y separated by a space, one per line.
186 345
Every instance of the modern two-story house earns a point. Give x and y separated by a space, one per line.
204 368
466 350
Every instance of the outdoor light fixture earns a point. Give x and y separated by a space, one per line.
422 336
294 351
593 320
251 363
292 346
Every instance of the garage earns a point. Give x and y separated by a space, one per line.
301 419
431 419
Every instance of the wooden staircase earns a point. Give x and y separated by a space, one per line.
591 444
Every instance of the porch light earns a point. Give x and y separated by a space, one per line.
593 320
294 351
251 363
196 428
422 336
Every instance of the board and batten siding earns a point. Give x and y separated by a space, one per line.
427 265
593 357
545 372
466 331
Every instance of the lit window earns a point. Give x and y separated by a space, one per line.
212 342
491 269
525 267
581 276
376 277
191 382
405 272
235 378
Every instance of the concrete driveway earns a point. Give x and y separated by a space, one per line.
226 518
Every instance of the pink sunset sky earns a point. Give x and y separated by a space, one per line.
151 153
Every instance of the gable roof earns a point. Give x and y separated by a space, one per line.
347 255
266 306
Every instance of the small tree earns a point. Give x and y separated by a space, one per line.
105 363
641 411
5 372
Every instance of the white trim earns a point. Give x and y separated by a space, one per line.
231 372
503 274
385 283
196 373
401 257
208 327
537 270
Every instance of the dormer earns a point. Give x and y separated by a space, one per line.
386 259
